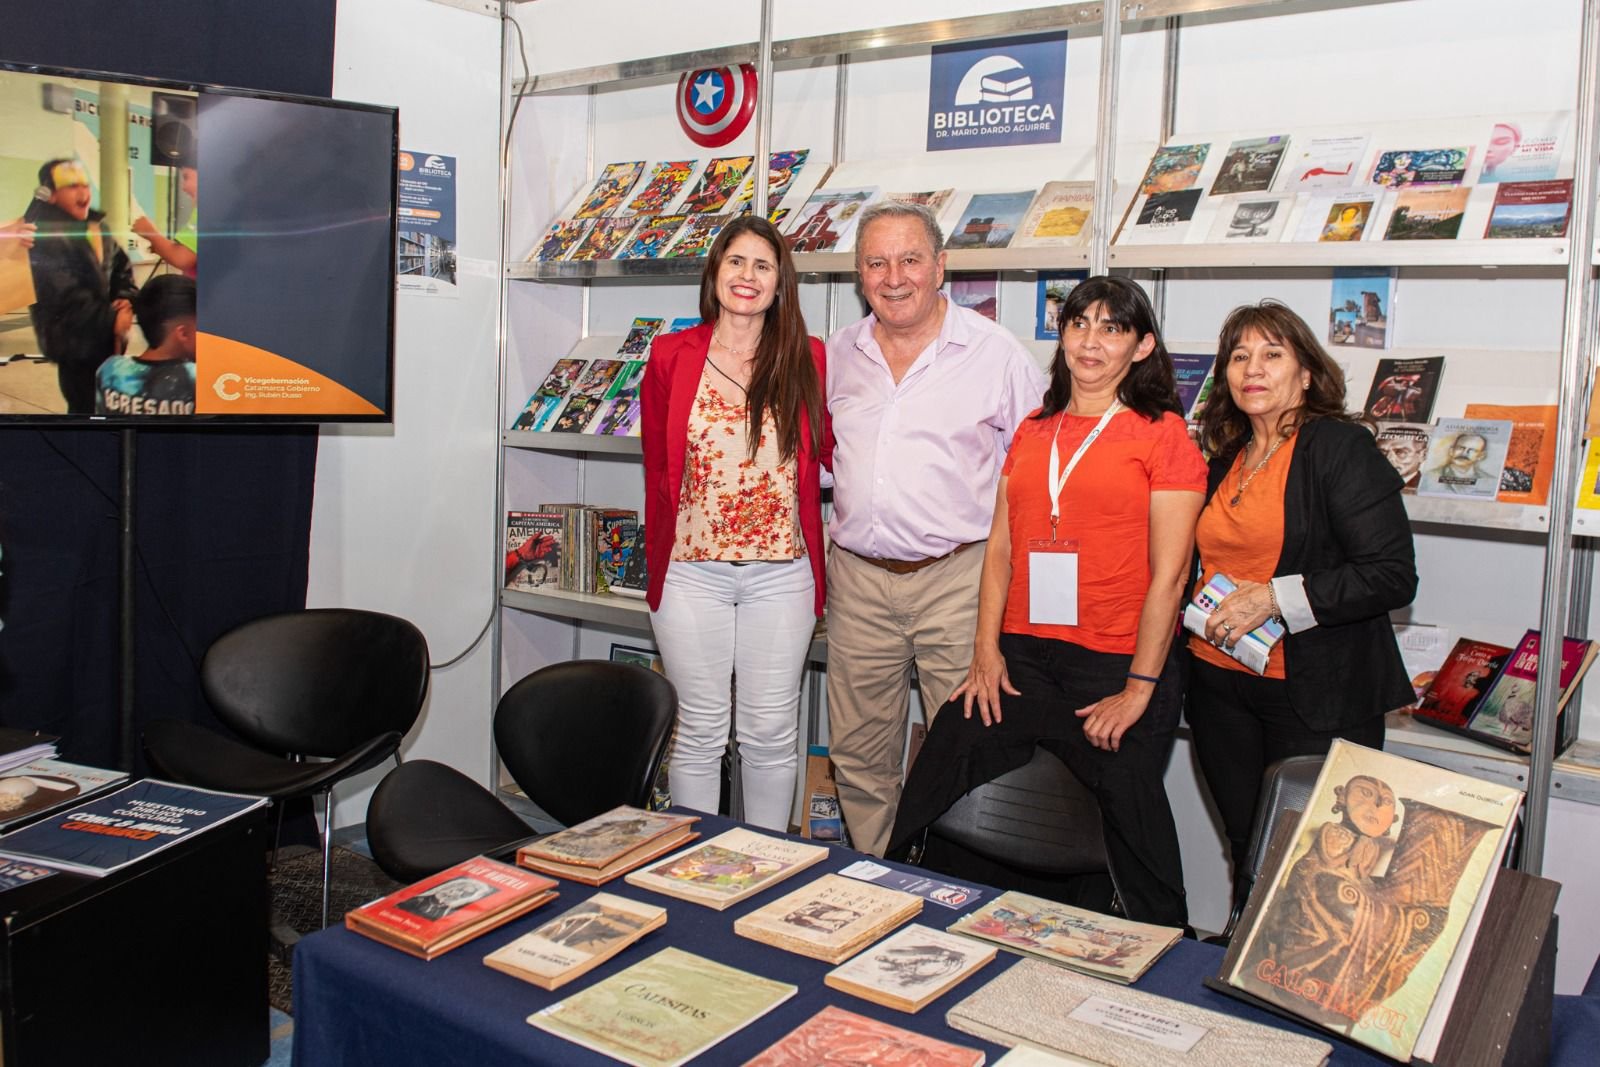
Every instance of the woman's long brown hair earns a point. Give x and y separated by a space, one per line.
783 379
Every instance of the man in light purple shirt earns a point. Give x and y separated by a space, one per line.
925 396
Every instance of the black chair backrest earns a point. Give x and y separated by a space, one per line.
317 682
1285 787
584 736
1039 817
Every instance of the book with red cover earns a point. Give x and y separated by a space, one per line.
452 907
1505 717
1461 682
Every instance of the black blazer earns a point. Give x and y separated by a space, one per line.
1345 530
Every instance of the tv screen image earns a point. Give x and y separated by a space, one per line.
175 252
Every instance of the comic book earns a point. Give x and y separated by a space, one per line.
782 169
603 239
616 539
584 401
694 240
559 240
716 186
539 409
666 182
651 237
619 408
534 540
641 332
610 190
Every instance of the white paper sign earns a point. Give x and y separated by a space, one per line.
1163 1030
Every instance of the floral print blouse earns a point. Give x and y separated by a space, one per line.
733 507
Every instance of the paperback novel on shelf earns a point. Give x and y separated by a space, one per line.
1101 945
1518 150
578 940
43 785
827 221
694 240
666 182
1465 458
1405 446
652 235
1324 163
1365 923
1252 218
1530 209
1531 453
1460 684
830 918
1162 218
990 220
108 832
534 541
433 916
1058 216
604 238
1341 216
1427 214
1174 168
616 181
1250 166
559 240
717 184
1505 717
834 1037
1403 390
664 1010
1359 308
1399 167
911 968
730 867
610 844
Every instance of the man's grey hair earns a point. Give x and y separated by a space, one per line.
895 209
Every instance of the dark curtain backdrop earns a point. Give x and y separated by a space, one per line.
224 516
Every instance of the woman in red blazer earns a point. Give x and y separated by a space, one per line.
735 430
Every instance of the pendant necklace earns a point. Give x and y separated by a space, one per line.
1245 481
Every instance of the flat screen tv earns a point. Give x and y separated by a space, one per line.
190 253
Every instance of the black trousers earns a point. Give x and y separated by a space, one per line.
1243 723
1055 679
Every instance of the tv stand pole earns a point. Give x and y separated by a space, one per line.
125 636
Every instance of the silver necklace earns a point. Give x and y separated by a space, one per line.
1244 483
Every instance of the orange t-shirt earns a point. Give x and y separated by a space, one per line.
1244 542
1105 507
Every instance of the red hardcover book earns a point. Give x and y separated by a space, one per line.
452 907
1461 682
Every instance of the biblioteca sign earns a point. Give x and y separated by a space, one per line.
1001 92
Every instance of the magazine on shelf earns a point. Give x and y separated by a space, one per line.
834 1037
1403 390
1174 168
1427 214
578 940
1520 150
1461 683
1255 647
728 868
667 180
1252 218
1405 446
911 968
1059 216
990 220
445 910
1530 209
1399 167
717 184
534 541
1505 715
1465 458
1102 945
1531 453
610 844
1250 166
43 785
1323 163
610 190
108 832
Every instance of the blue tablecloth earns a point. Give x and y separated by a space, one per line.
360 1003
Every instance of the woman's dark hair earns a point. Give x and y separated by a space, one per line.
783 379
162 299
1223 427
1149 387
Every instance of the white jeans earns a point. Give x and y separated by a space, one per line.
716 619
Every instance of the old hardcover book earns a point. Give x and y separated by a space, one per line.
1403 390
577 941
913 967
830 918
1465 458
1461 683
1087 941
834 1037
1531 453
1365 923
44 785
1505 717
1054 1009
664 1010
433 916
728 868
599 849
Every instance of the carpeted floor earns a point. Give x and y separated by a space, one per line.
296 888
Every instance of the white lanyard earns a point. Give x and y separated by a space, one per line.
1058 477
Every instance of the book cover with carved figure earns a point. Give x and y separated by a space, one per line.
829 918
1252 219
651 237
728 868
534 542
604 238
1461 683
433 916
540 409
664 1010
1162 218
608 844
1427 214
717 184
1530 209
1101 945
610 190
834 1037
1250 166
559 240
1405 446
619 408
1531 453
1465 458
1324 163
782 169
1505 718
912 968
694 240
44 785
1403 390
1090 1021
577 941
1367 920
1058 216
1520 150
1174 167
827 222
1400 167
666 182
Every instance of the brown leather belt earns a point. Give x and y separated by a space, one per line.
908 566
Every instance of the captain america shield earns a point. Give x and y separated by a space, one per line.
715 104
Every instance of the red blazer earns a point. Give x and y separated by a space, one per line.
670 381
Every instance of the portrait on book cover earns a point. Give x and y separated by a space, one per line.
446 898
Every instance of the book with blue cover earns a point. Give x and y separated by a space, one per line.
115 830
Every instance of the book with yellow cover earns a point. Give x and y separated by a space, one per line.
664 1010
728 868
830 918
576 941
1101 945
615 842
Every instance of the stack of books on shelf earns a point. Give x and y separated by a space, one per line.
829 918
1485 691
578 940
578 548
609 845
439 913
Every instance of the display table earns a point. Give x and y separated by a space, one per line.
162 963
357 1002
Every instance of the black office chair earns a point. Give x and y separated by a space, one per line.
1285 790
1038 818
579 738
316 696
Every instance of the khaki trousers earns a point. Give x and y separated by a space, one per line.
879 624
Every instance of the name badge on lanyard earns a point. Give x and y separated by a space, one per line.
1053 563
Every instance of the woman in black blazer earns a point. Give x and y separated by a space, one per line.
1304 516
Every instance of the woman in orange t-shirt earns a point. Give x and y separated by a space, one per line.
1304 517
1083 574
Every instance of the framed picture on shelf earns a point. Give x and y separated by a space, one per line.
644 657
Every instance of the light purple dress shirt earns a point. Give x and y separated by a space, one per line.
915 465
